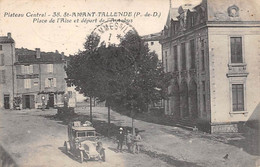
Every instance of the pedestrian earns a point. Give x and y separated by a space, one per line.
129 138
120 139
137 140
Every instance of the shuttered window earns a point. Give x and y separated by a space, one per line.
2 60
175 52
236 50
2 76
192 52
238 97
27 69
50 82
183 55
27 83
50 68
166 61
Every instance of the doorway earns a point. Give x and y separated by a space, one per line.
7 101
51 100
27 101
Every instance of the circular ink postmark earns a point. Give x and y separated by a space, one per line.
117 41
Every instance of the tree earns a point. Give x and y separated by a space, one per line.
125 76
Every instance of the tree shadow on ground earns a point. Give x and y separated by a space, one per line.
62 149
111 130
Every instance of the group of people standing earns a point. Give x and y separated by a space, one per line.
132 141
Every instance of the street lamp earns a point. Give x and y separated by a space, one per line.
43 102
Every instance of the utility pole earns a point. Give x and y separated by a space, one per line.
90 109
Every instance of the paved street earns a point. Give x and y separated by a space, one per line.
34 140
184 147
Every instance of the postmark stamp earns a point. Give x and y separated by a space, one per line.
121 42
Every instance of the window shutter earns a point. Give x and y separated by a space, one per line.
29 83
24 83
31 69
3 76
0 76
54 82
2 60
46 82
22 69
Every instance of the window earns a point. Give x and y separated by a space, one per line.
27 69
50 68
175 51
204 102
50 82
236 49
2 76
238 97
183 54
81 134
27 83
152 43
202 43
1 47
2 59
192 52
166 62
90 133
202 60
203 86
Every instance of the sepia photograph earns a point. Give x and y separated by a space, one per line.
129 83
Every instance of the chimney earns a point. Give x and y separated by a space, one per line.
56 51
9 35
62 56
38 53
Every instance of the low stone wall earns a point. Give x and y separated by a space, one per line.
224 128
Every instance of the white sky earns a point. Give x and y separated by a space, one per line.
69 37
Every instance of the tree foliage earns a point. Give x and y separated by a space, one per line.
125 75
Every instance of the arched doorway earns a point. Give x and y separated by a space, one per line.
193 99
176 99
184 100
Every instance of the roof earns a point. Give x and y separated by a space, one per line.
29 56
152 37
173 13
5 39
83 128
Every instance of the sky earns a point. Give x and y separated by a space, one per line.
68 37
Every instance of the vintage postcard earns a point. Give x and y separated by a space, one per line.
129 83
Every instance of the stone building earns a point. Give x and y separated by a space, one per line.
7 71
40 78
212 49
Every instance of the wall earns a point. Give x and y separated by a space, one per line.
8 87
221 90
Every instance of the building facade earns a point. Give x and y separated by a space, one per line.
212 50
7 71
40 78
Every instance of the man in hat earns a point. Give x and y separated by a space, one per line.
129 138
120 139
137 140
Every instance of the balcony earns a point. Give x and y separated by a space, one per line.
27 76
237 70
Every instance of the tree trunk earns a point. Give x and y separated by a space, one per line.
108 120
108 114
133 128
90 109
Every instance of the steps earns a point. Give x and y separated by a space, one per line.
187 123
